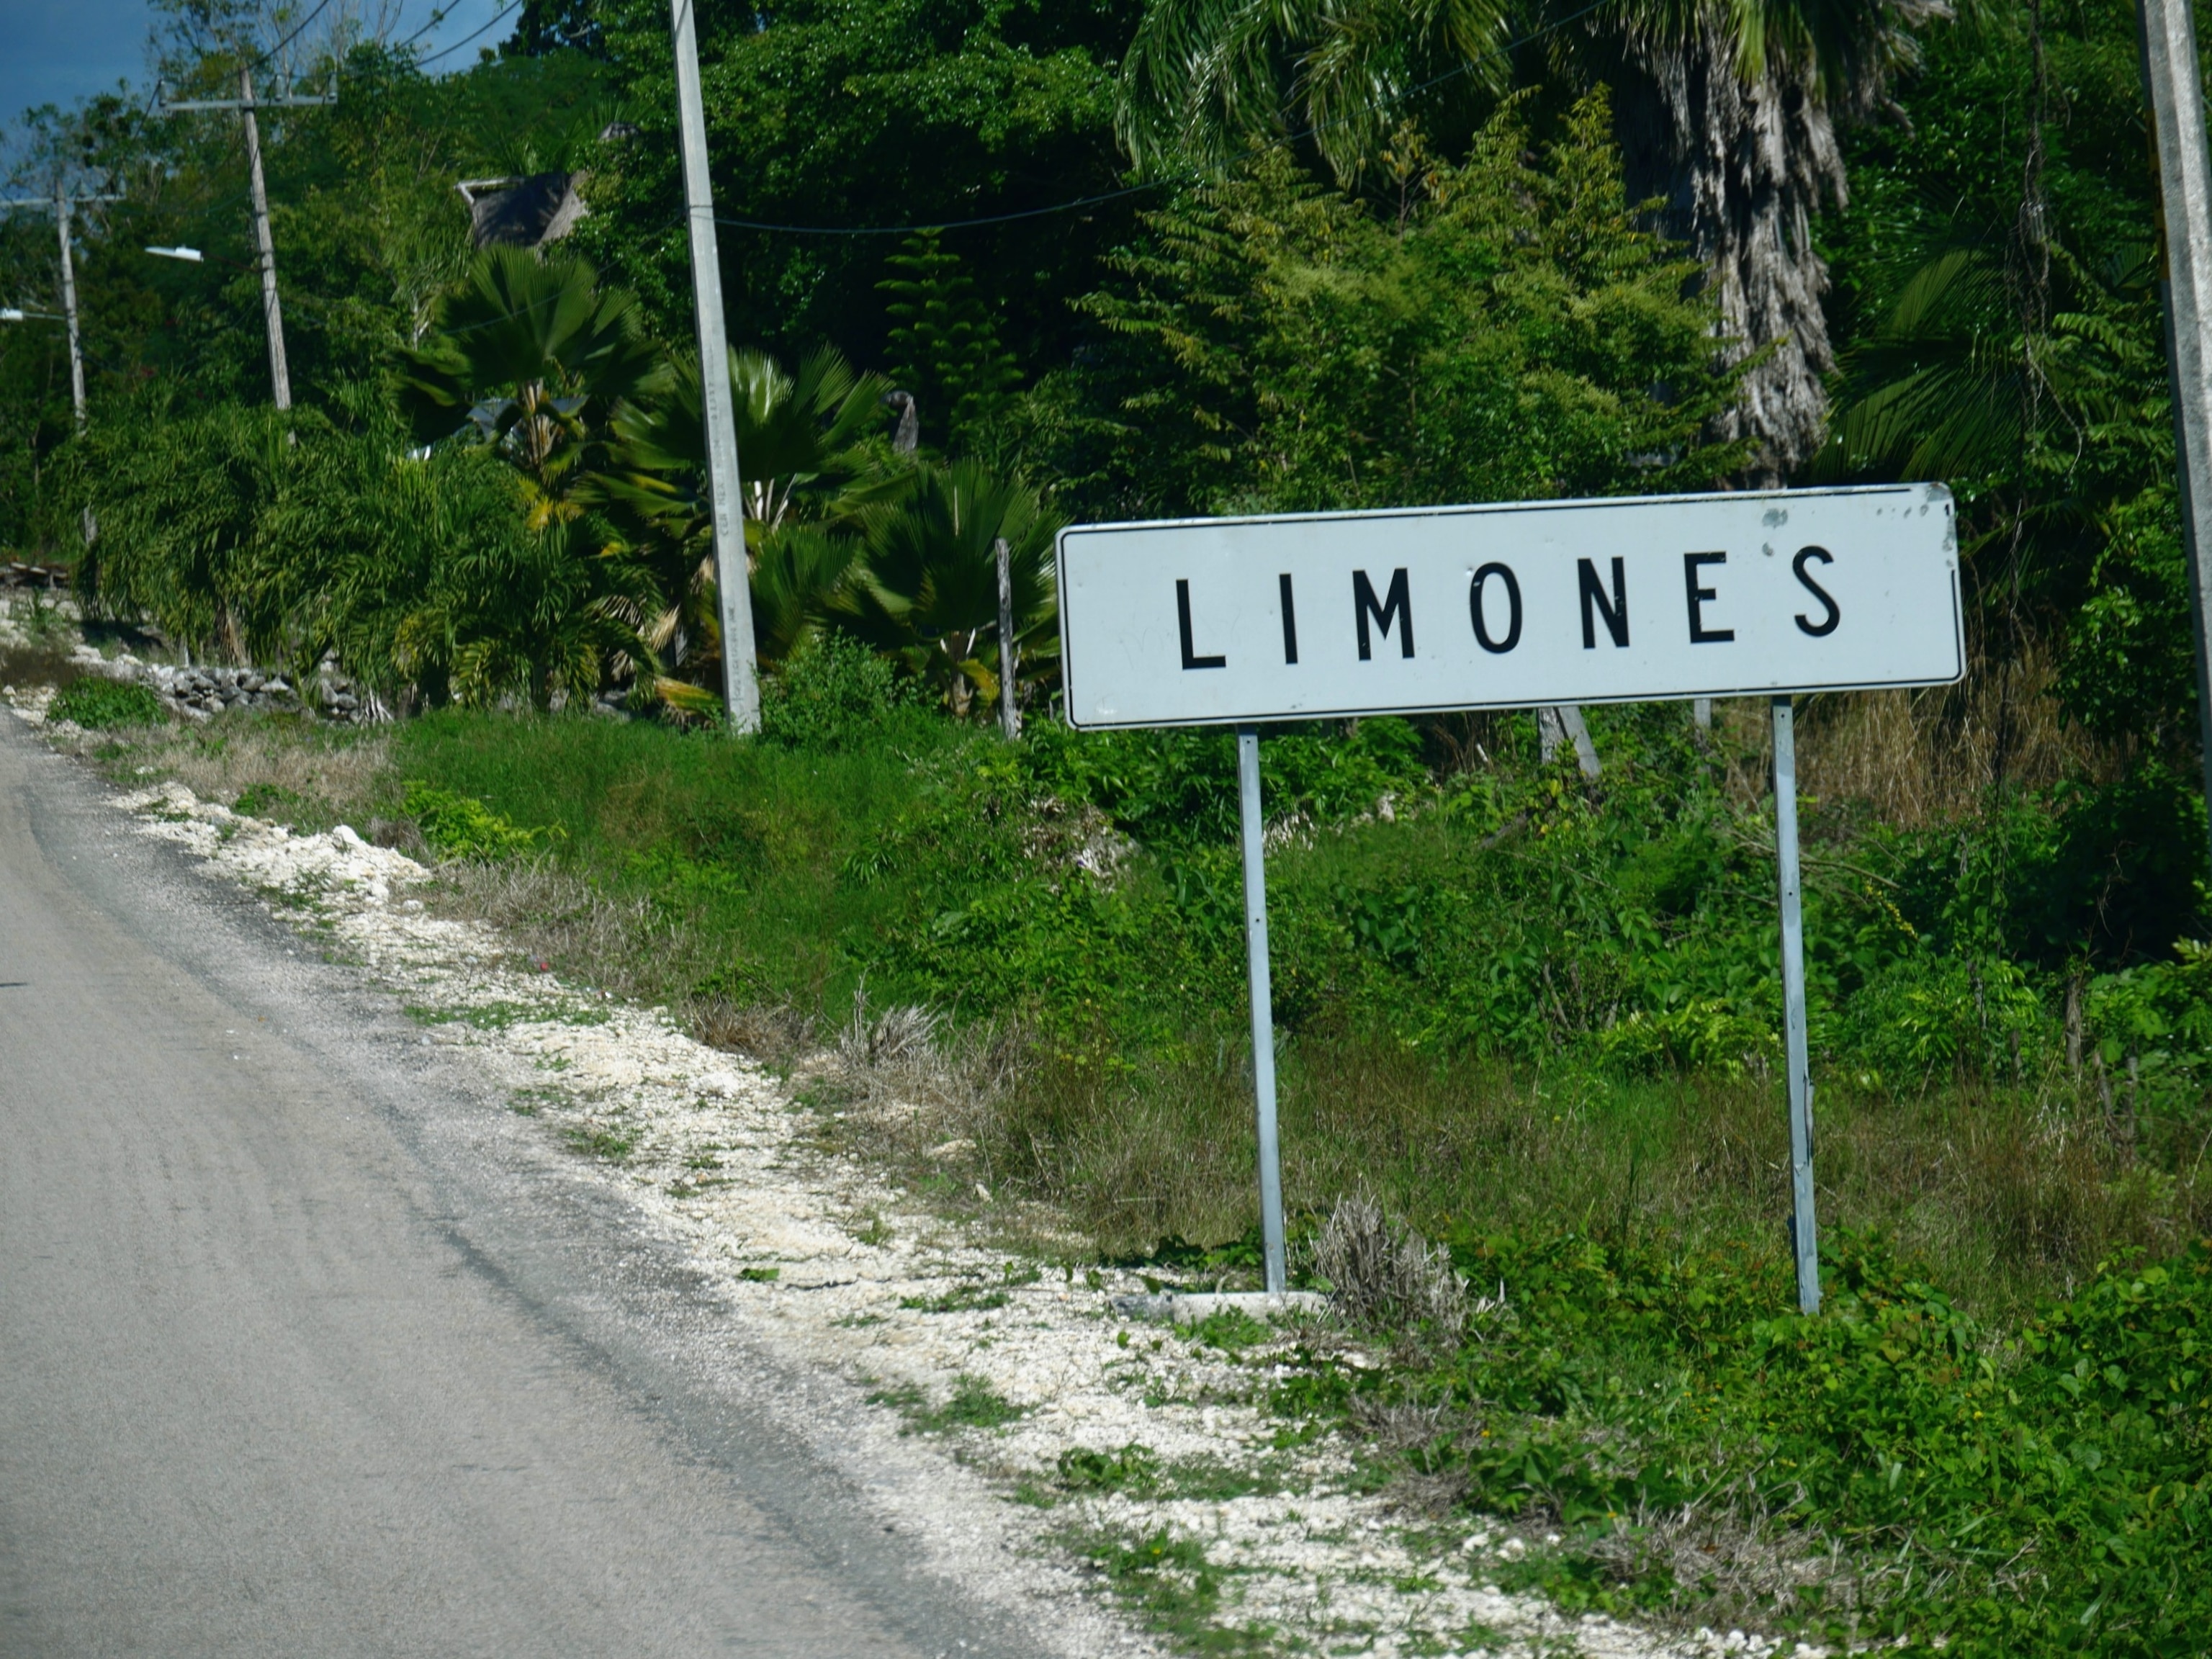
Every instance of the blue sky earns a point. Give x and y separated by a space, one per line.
58 52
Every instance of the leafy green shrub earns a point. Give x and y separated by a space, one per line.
1514 332
97 703
1704 1034
1929 1016
460 827
830 694
2048 1494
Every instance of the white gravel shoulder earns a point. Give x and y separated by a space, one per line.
890 1304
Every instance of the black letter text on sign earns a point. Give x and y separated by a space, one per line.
1615 614
1394 603
1563 602
1496 647
1190 657
1889 615
1821 629
1699 633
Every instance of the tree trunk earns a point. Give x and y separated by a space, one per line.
1740 170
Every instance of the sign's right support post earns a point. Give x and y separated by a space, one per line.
1263 1018
1804 1233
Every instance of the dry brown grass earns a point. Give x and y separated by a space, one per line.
2004 1197
1920 758
327 770
625 944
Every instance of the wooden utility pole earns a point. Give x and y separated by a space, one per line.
733 569
272 311
64 206
2176 96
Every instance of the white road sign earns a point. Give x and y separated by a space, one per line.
1220 620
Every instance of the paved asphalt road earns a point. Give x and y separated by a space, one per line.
304 1352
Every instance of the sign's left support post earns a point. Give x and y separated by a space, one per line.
1803 1232
1263 1018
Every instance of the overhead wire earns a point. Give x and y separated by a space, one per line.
445 51
266 57
438 15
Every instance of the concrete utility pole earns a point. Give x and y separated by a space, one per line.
64 207
732 570
2176 96
272 311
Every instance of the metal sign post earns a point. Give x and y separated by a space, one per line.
1263 1013
1803 1231
1238 621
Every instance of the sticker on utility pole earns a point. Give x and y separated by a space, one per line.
1225 620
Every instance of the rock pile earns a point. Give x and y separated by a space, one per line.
200 693
206 691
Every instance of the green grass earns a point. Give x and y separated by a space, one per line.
965 1299
748 845
270 801
973 1404
597 1141
97 703
1170 1583
1140 1472
1444 994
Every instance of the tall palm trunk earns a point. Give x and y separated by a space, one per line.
1742 167
1728 111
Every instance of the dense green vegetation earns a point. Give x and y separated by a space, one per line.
1316 257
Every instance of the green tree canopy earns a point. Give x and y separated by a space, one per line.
1513 332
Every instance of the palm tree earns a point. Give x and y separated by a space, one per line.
802 457
534 361
532 357
926 591
1727 111
797 435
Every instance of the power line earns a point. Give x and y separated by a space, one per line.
267 57
448 51
947 224
438 15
